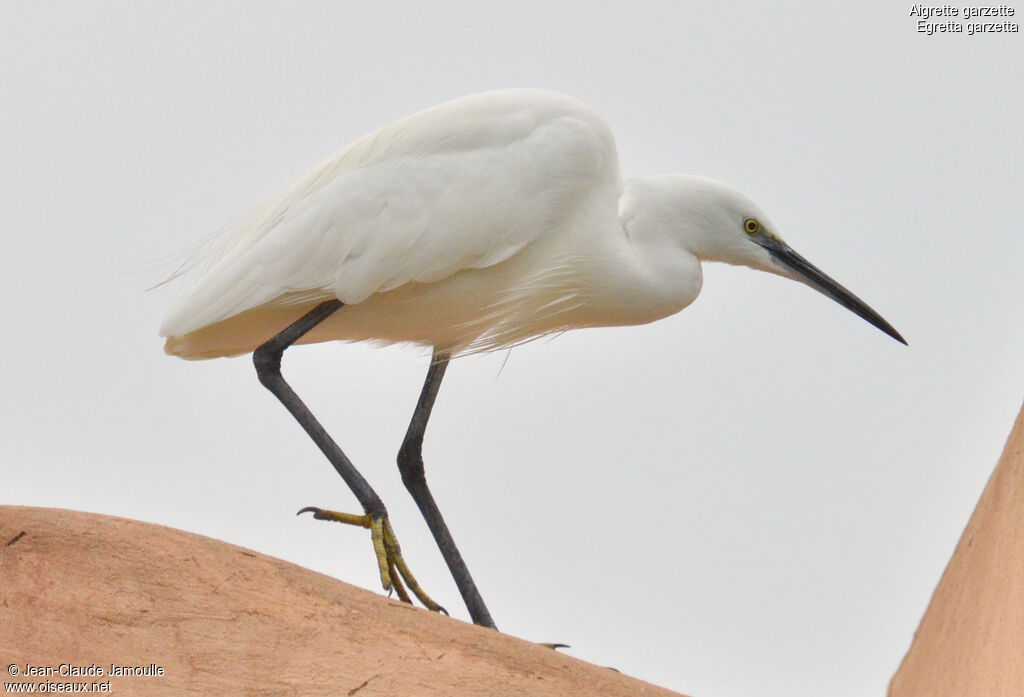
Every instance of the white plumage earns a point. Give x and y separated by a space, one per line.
473 225
404 221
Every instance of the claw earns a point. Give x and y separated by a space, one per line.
395 575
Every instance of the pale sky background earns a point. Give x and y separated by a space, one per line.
754 497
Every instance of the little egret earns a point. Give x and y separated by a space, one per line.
474 225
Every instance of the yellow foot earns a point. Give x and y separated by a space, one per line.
393 569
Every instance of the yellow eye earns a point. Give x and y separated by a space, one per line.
751 226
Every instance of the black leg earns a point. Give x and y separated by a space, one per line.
391 565
267 359
410 464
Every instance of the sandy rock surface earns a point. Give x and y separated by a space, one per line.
971 640
185 614
90 590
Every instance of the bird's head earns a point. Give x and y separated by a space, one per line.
715 222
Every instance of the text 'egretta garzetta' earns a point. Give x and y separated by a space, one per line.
475 225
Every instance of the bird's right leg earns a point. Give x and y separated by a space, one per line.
267 359
410 464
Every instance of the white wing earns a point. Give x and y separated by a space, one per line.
466 184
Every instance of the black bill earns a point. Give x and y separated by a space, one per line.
817 279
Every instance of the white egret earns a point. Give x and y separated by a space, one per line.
475 225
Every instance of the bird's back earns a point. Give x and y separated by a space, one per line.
466 185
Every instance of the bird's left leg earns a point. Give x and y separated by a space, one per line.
267 359
386 546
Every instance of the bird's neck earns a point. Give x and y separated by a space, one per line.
666 212
634 280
